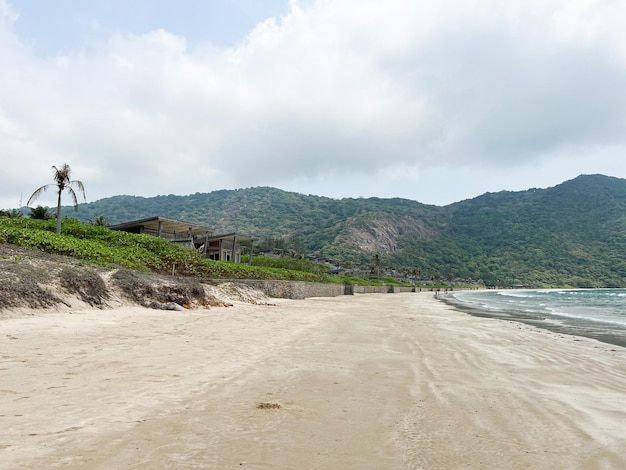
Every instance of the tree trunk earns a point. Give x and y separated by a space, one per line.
59 213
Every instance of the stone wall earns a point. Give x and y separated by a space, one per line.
301 290
293 289
380 289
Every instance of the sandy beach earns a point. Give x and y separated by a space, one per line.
377 381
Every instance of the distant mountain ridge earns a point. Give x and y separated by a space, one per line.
571 234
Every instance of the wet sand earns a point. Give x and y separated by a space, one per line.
389 381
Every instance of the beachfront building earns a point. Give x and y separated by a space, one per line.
176 231
227 247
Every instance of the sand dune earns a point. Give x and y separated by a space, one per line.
358 382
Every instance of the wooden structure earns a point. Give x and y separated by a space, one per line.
225 247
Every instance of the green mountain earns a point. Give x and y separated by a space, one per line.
572 234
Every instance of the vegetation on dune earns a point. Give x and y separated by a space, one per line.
87 284
21 283
100 245
154 294
11 213
292 264
41 213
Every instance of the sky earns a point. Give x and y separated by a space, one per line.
430 101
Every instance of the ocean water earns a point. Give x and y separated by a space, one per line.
593 313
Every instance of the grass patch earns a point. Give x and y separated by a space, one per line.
292 264
86 283
13 295
153 292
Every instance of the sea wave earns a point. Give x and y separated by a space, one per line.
524 294
613 320
595 313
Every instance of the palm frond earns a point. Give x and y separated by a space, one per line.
79 185
72 193
38 192
74 198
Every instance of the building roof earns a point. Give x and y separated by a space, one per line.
167 225
240 237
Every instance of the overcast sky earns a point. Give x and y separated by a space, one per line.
430 101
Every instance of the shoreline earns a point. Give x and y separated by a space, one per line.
365 381
562 328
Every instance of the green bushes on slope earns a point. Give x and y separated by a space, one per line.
103 246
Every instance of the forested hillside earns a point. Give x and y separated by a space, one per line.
572 234
344 230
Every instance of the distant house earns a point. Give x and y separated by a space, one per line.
177 231
225 247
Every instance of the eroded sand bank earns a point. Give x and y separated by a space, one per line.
357 382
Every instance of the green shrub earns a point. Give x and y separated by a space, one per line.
292 264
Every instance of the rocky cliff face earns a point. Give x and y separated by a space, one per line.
381 235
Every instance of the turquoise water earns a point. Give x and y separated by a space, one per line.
593 313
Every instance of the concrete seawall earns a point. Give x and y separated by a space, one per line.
379 289
293 289
301 290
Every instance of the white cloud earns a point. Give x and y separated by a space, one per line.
7 13
350 97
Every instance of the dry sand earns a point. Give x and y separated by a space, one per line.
365 382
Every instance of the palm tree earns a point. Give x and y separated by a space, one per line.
40 213
99 221
62 182
11 213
